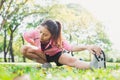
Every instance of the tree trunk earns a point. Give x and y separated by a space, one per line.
24 59
5 47
11 47
5 59
70 42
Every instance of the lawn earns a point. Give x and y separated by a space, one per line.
34 71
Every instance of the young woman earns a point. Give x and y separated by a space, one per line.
47 45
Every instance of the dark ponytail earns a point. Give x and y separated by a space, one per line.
59 39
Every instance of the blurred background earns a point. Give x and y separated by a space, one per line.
84 22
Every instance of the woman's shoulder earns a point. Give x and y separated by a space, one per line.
32 31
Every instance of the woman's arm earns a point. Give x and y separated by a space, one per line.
78 48
92 48
73 48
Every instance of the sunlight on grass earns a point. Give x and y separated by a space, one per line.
35 72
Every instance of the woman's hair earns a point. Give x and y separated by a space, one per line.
55 29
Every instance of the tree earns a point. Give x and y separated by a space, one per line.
12 13
9 12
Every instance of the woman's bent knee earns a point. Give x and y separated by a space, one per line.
24 49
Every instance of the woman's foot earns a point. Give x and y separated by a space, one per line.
46 65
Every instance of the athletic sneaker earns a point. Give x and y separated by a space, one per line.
46 65
98 61
94 63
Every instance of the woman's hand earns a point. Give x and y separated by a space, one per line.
94 49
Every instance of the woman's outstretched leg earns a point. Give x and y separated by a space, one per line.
72 61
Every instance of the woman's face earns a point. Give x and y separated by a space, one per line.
45 35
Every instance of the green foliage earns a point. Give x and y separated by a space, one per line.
5 74
9 71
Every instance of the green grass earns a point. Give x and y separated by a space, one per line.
9 71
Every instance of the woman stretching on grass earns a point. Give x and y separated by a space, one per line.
47 45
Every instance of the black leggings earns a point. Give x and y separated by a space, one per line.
54 58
